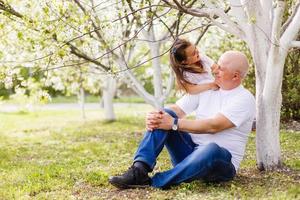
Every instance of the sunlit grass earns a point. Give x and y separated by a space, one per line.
57 155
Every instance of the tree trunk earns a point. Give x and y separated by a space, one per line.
108 95
269 101
268 115
157 76
81 101
101 102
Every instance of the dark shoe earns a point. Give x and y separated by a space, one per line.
133 178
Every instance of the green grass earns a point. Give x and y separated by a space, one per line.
92 99
56 155
96 99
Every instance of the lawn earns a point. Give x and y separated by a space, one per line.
56 155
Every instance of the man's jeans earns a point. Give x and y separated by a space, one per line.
190 162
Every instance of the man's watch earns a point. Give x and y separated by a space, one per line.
175 124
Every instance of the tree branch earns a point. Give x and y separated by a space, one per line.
170 31
202 34
136 83
170 85
291 17
237 10
211 13
99 35
74 50
235 28
292 30
195 12
80 54
295 44
277 20
7 8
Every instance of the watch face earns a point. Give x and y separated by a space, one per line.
174 127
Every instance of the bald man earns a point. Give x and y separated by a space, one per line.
209 147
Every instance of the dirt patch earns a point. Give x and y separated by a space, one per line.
84 190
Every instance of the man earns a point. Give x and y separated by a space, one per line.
209 147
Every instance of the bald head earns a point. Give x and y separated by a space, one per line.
231 70
235 61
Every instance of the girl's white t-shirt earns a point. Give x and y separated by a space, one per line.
205 77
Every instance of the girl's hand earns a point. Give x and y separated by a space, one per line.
214 86
213 67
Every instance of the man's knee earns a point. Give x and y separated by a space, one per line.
217 152
213 147
156 133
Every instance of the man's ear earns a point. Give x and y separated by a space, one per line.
236 75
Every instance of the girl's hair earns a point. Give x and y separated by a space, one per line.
177 56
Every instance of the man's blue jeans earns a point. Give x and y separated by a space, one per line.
190 162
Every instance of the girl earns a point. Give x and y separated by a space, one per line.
192 70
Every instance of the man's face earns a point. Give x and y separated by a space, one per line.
223 75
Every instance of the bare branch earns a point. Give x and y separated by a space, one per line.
295 44
278 13
96 28
137 10
238 11
137 86
143 62
202 34
203 12
292 30
291 17
122 70
9 9
137 18
117 47
170 31
235 28
170 85
28 61
80 54
187 23
211 13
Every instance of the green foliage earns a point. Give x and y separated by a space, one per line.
20 35
291 87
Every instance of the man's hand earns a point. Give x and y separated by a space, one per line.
158 120
153 120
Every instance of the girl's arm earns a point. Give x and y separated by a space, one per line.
195 89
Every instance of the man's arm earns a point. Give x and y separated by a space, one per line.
198 126
211 125
179 112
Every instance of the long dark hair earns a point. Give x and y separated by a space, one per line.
177 56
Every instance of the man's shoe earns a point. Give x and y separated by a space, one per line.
132 178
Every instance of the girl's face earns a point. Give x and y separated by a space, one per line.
192 55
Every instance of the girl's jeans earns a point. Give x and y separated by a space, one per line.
190 162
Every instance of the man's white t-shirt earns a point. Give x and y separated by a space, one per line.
237 105
205 77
